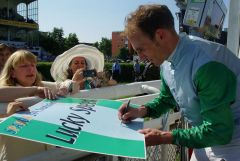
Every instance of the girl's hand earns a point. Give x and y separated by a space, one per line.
45 92
13 107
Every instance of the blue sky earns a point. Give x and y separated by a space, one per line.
92 19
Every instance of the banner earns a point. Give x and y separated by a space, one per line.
81 124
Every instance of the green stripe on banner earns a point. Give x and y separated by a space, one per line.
109 103
29 129
66 100
114 104
100 102
8 123
118 146
35 130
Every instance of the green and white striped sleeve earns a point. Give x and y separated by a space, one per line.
161 104
216 89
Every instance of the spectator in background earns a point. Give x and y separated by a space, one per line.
150 72
5 52
136 70
116 70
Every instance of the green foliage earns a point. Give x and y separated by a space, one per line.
126 68
123 54
57 36
47 42
105 46
44 69
127 75
152 73
126 72
71 41
96 45
54 42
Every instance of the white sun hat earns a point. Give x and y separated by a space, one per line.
94 58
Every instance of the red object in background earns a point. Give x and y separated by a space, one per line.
190 151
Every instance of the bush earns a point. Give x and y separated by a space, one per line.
44 69
126 76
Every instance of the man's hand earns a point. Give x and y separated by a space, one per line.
156 137
131 114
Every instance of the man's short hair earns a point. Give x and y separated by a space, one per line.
149 18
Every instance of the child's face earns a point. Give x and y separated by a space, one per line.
25 73
78 63
4 55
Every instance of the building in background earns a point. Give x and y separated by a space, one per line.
118 41
19 24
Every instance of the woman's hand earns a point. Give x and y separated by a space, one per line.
112 82
13 107
62 91
45 92
78 75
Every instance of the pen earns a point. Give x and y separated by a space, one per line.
127 107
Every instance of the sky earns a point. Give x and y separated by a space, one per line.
92 20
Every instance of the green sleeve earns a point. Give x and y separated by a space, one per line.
162 103
216 89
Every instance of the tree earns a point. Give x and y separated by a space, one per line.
47 42
71 41
96 45
123 53
105 46
57 36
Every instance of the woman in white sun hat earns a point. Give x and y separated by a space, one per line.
70 65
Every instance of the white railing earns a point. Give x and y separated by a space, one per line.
117 92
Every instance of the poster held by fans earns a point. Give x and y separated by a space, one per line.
81 124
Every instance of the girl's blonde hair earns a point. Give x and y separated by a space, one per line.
16 58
